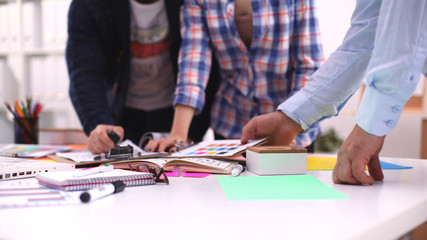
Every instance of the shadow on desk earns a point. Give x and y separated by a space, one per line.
62 136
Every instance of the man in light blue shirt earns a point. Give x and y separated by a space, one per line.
386 48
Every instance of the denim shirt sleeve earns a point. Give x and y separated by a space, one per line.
341 75
396 63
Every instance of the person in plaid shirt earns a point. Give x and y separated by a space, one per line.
267 51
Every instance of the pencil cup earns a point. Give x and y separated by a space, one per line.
26 130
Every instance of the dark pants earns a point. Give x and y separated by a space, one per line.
137 122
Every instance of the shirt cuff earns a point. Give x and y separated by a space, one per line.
378 112
301 110
193 100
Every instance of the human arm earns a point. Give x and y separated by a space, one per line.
391 78
194 68
87 64
181 124
341 75
396 63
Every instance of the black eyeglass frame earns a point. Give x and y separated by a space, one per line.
157 172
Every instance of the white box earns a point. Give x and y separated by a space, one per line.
276 160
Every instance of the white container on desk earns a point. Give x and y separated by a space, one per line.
276 160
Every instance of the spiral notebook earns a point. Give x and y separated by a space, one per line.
65 181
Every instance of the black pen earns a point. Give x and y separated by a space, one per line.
114 137
102 191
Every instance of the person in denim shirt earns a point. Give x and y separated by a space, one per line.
122 62
386 49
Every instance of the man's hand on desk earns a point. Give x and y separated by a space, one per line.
99 141
359 150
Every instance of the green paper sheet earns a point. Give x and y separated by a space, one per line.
288 187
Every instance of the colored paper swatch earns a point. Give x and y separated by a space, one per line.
328 163
386 165
216 148
288 187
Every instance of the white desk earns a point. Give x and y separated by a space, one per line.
198 209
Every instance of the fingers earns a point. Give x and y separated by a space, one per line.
358 172
120 131
343 172
152 145
279 128
160 145
359 150
248 131
99 141
375 170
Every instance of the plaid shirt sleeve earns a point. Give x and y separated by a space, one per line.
306 52
194 58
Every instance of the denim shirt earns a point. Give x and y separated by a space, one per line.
390 78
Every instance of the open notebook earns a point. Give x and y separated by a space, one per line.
13 168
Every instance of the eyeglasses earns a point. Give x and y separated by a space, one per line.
157 172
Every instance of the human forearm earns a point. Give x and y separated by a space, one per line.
181 122
180 126
341 75
392 76
84 56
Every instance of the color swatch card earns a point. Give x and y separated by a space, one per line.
217 148
31 150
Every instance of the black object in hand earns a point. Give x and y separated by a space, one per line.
114 137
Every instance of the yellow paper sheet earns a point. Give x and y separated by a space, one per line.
320 162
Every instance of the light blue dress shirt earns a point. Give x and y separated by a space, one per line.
386 48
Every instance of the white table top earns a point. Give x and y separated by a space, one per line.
191 208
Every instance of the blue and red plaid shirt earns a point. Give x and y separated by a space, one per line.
285 51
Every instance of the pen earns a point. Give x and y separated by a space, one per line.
94 170
114 137
237 170
6 154
22 126
102 191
